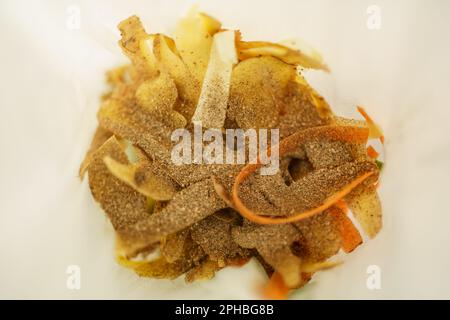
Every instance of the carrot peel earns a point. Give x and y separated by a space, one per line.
342 205
275 289
350 236
372 153
374 129
250 215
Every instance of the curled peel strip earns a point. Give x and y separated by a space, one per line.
351 134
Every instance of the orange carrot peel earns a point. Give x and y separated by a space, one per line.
342 205
372 153
350 236
239 262
275 289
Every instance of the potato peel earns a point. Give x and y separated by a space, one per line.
205 271
273 244
193 38
320 238
159 268
173 218
213 101
305 57
158 96
170 62
133 33
123 205
101 135
366 207
142 179
265 93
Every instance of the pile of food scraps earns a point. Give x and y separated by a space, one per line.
195 219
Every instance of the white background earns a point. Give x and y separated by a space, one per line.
51 79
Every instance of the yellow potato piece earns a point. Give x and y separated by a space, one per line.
134 124
274 245
310 57
101 135
146 50
305 58
141 178
159 268
265 93
172 246
170 62
322 106
205 271
366 208
133 33
193 38
158 96
123 205
256 86
320 237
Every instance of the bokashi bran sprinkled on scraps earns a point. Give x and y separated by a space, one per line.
198 218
